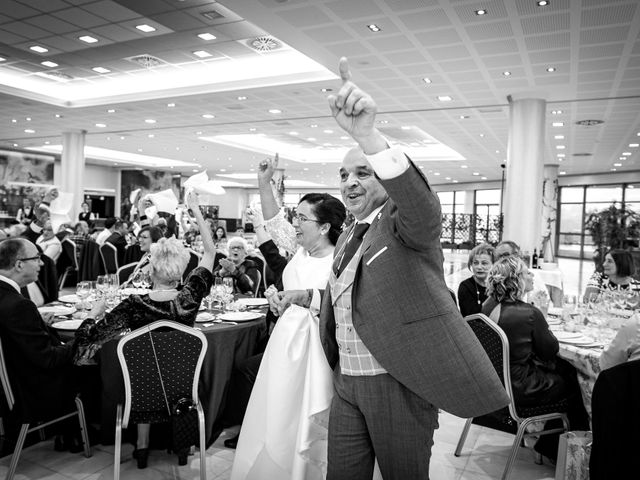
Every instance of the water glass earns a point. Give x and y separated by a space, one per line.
114 281
227 282
83 291
102 285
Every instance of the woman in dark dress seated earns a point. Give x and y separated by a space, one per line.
472 292
169 258
243 271
538 376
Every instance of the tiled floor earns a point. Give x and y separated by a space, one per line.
483 458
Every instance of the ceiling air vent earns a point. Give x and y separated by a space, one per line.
212 15
581 154
264 43
589 123
146 61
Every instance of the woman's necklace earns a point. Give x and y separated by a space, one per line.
475 282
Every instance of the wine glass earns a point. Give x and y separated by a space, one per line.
83 290
114 281
227 283
102 285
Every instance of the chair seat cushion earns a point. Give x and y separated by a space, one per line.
535 410
149 417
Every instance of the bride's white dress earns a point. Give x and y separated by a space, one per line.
284 432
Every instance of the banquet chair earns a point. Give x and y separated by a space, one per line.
125 271
496 345
69 249
109 255
28 427
258 287
262 267
160 364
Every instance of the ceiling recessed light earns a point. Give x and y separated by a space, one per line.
171 105
313 125
560 155
13 120
462 117
39 49
49 64
15 144
195 170
121 137
559 137
111 110
633 145
294 133
101 125
151 135
626 154
149 120
28 119
275 110
497 151
145 28
560 147
252 129
614 169
311 139
454 181
483 178
139 149
328 131
562 172
436 173
481 12
47 142
88 39
556 112
444 98
558 124
622 158
208 115
551 69
344 137
100 70
406 127
207 36
426 80
464 166
325 90
475 174
543 3
201 54
241 98
506 73
58 115
482 135
373 27
447 178
617 164
29 130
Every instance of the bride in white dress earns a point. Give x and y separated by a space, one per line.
284 432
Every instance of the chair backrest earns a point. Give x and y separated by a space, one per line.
194 260
261 286
179 351
496 345
4 379
258 287
70 249
125 271
109 255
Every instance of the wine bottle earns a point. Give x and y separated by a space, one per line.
534 259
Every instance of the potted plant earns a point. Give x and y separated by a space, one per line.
613 227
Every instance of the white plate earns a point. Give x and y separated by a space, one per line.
240 316
67 325
205 317
562 335
135 291
73 298
580 341
253 302
57 309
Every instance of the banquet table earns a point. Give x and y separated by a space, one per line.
227 345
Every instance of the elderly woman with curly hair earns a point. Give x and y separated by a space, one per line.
538 376
244 271
169 258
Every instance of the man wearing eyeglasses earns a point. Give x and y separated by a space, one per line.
37 361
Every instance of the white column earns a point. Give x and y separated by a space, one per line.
549 211
525 160
72 168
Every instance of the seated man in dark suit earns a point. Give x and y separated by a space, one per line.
38 363
119 239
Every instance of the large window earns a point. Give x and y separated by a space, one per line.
576 203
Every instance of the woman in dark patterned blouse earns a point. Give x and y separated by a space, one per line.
169 258
617 274
472 292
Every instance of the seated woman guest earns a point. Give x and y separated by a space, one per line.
49 243
625 346
472 291
243 271
168 259
538 376
147 236
617 274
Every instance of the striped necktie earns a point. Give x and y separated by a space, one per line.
351 247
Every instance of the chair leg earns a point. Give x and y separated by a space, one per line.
203 447
17 451
83 427
118 444
514 451
463 437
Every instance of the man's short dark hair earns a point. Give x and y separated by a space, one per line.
110 222
120 223
10 250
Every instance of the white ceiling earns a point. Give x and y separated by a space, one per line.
594 46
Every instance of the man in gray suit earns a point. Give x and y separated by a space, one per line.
389 327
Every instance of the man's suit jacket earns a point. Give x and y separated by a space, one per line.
403 311
38 363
